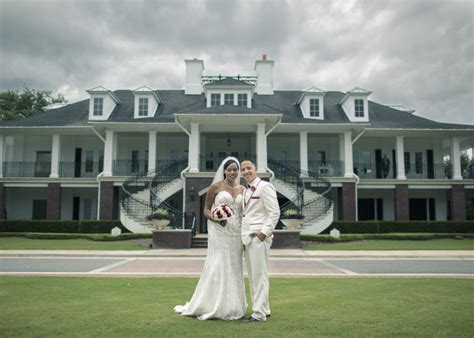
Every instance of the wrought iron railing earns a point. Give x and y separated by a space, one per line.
140 193
313 207
412 171
210 79
129 167
211 163
80 169
327 168
26 169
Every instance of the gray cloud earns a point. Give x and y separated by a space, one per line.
418 53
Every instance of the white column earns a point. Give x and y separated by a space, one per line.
455 158
108 152
304 152
55 150
261 148
348 163
2 153
151 152
194 148
400 151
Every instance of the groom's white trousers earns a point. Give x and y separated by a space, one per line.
256 259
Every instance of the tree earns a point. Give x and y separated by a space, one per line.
465 162
16 105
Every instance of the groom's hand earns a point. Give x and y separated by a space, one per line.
261 236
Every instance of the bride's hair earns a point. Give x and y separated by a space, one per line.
220 175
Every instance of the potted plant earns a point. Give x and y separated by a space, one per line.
160 218
292 219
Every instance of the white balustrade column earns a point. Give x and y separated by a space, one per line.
348 163
455 158
400 151
151 152
194 146
109 152
2 153
261 148
304 152
55 150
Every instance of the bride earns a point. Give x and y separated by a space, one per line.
220 292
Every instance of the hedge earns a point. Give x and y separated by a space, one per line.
392 236
93 237
380 227
53 226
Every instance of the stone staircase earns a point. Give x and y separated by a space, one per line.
199 241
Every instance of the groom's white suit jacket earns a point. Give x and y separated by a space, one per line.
260 210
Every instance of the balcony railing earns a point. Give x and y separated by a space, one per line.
412 171
211 163
327 168
26 169
80 169
129 167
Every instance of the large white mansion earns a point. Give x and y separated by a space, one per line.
335 155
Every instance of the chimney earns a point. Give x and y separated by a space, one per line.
264 70
193 82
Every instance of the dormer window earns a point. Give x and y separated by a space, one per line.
215 100
242 100
98 106
143 106
228 98
359 108
314 107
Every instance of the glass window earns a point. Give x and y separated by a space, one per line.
314 107
242 100
419 162
228 98
98 106
215 100
89 161
359 108
143 106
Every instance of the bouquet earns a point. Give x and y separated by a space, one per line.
221 213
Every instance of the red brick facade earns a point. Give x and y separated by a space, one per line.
54 201
458 202
108 200
402 206
348 202
2 202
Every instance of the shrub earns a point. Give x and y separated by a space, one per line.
374 227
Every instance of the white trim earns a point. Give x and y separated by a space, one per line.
26 185
76 185
429 186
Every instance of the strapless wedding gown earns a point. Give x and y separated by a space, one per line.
220 292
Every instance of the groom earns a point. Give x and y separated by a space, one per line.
260 214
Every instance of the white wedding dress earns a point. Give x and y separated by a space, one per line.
220 292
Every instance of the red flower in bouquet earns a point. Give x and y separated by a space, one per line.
222 212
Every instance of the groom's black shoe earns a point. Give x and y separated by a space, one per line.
250 320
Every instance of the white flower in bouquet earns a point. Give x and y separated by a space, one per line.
222 212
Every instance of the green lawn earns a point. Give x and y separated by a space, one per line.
435 244
18 243
128 307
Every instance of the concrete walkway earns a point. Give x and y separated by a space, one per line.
276 253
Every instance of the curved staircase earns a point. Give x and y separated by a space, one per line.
142 194
307 192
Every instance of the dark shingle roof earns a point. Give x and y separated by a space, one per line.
281 102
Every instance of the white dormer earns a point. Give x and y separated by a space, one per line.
355 104
146 102
229 91
102 103
311 103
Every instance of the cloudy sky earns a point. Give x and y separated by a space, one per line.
418 53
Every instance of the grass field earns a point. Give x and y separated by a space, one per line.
127 307
435 244
18 243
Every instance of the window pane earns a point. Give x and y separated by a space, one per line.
98 106
228 98
143 106
359 108
242 100
314 107
215 100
